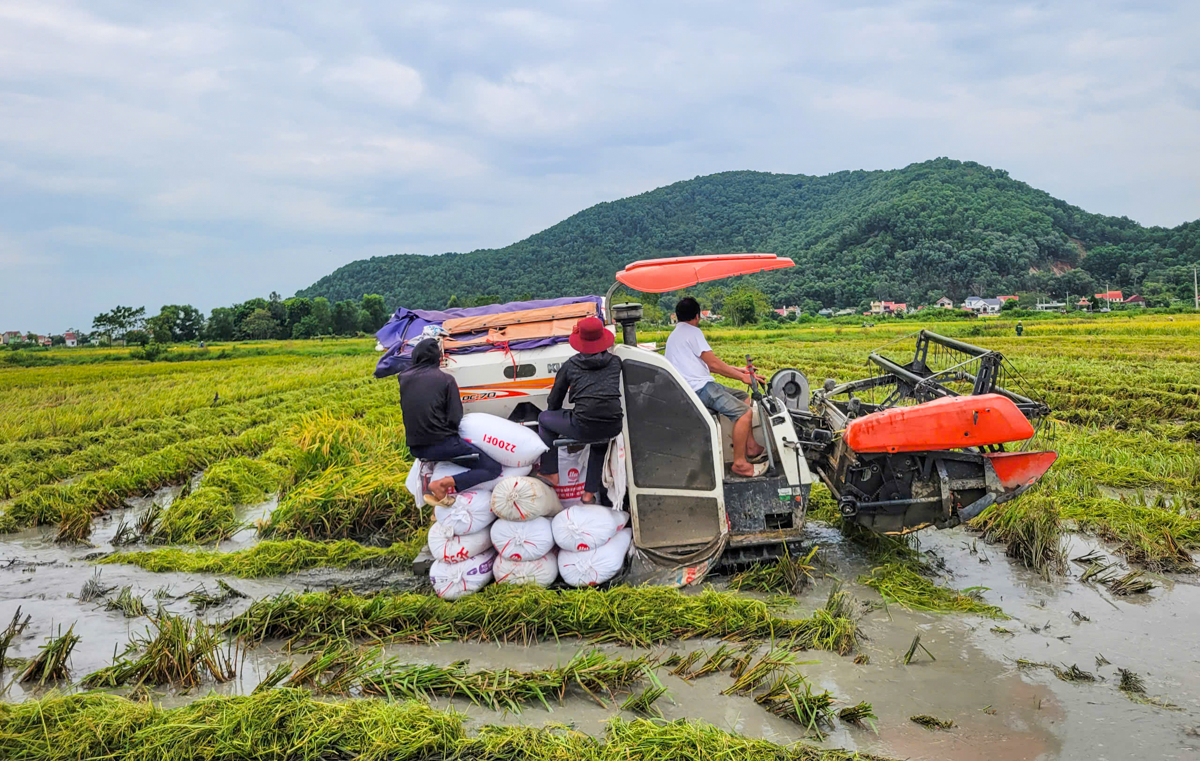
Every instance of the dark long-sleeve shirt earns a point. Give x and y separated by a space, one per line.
431 406
594 382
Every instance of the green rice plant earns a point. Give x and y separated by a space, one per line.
360 502
11 632
643 702
723 658
629 615
246 481
128 603
932 722
93 588
681 665
1030 528
901 584
912 650
1135 689
271 558
775 662
207 514
336 669
858 714
288 724
174 650
786 575
202 517
329 441
792 697
148 520
1131 683
822 506
1131 583
203 599
74 528
1073 673
832 627
50 664
593 672
274 678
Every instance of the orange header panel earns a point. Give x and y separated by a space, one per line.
662 275
950 423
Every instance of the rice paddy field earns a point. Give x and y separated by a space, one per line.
210 557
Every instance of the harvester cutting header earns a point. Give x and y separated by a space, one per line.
931 441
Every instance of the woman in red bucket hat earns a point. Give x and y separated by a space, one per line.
591 381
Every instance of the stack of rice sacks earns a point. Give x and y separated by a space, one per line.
521 534
593 541
464 560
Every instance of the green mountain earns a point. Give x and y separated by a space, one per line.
937 228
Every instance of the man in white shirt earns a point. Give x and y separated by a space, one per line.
689 352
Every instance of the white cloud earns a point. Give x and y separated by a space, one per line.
381 80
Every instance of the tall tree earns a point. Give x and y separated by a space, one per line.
259 325
376 313
346 318
323 314
221 324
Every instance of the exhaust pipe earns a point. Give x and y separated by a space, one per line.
628 316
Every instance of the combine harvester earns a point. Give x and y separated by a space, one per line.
917 444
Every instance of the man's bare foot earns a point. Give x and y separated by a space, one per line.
742 468
588 498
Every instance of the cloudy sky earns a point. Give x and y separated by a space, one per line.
209 152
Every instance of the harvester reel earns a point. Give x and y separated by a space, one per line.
792 387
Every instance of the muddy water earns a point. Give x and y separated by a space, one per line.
1000 710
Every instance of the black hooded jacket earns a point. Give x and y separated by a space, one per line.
594 381
429 398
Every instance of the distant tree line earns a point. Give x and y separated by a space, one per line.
255 319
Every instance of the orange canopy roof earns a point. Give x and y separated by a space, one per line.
662 275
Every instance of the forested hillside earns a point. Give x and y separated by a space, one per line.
941 227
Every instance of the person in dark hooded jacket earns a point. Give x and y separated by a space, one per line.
432 411
592 379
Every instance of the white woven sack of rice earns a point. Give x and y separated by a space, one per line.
587 569
506 442
585 527
524 498
523 540
445 545
454 580
505 472
471 512
542 571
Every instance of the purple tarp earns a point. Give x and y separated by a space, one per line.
409 323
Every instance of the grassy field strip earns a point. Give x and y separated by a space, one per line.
340 347
58 403
637 616
125 442
105 489
290 724
271 557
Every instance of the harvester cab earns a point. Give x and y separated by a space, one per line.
927 453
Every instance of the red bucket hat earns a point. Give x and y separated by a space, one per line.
590 337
